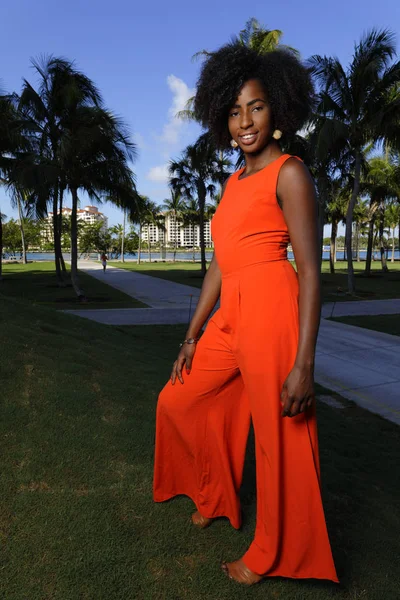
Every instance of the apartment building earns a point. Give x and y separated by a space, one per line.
174 231
89 215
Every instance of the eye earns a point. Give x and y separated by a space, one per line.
234 113
257 108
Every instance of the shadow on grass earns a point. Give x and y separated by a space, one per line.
39 285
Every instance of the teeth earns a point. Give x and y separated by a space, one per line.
248 136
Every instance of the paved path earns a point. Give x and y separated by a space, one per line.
153 291
170 303
362 365
365 307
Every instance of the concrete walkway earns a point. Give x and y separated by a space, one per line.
365 307
170 303
360 364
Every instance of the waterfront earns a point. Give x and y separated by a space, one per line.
184 256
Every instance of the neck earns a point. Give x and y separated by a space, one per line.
259 160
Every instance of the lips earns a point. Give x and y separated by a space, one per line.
248 138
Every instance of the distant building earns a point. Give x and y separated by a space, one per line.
89 214
174 230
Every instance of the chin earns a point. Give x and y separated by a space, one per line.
252 150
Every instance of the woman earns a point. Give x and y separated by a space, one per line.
104 259
256 357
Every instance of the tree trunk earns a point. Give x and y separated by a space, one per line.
74 247
149 247
393 244
333 245
123 238
60 228
140 243
358 242
370 246
21 226
381 230
194 249
57 240
349 223
175 237
202 202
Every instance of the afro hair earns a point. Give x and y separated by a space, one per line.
286 81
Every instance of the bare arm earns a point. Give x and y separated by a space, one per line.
210 292
297 194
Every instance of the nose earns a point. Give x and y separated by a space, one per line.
246 120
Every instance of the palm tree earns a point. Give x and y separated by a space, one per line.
254 35
393 218
358 106
96 153
153 217
336 209
382 183
141 219
174 207
13 146
81 146
195 176
190 218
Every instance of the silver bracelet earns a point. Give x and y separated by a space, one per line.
189 341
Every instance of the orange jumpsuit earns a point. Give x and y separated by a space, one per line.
241 362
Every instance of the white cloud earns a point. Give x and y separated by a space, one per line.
159 174
181 94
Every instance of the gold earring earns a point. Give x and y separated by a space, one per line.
277 134
234 144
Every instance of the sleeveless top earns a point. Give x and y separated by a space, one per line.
248 227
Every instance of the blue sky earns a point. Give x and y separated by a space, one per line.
139 55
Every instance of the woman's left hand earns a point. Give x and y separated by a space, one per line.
298 392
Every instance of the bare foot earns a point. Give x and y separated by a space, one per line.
239 572
199 521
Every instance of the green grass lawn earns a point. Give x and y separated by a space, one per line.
36 282
385 323
378 286
77 521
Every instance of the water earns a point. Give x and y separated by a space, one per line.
188 256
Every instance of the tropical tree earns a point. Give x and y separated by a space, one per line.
358 106
191 219
392 217
80 147
174 207
153 218
254 35
336 211
140 217
381 183
194 175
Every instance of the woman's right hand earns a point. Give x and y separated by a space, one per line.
185 358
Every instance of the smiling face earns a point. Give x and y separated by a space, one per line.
250 119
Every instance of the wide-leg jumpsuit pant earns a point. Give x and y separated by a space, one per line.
238 372
239 368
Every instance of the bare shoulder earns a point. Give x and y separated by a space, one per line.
294 169
295 180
